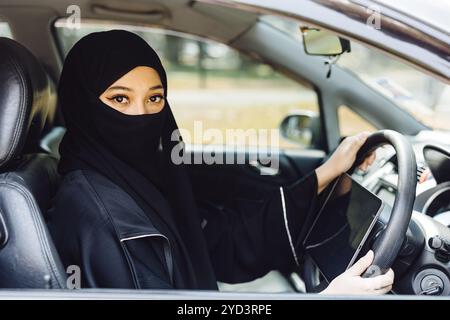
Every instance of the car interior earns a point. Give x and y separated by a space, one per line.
31 127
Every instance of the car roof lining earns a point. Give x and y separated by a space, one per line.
180 15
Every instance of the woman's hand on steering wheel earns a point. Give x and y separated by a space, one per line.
342 160
350 282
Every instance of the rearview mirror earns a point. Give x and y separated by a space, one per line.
323 43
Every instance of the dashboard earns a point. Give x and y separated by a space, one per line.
423 264
433 179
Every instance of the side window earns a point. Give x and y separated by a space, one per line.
216 92
5 30
351 123
212 86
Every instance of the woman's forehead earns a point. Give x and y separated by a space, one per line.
141 76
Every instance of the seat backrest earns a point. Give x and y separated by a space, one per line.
28 176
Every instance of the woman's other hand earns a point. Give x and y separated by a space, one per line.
350 282
344 156
342 160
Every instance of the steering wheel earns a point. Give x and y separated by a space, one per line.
388 244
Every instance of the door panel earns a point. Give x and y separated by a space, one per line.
221 182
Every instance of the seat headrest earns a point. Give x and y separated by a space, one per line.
27 101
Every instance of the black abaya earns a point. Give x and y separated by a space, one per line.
126 214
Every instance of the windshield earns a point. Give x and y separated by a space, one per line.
423 96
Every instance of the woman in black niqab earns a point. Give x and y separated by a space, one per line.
124 148
97 223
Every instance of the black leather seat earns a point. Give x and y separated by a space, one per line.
28 176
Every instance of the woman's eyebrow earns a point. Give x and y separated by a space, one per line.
129 89
119 88
156 87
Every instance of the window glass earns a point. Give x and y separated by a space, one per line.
424 97
351 123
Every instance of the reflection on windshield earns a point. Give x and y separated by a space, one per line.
426 98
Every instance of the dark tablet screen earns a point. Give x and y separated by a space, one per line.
341 227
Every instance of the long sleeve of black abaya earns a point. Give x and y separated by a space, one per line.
250 237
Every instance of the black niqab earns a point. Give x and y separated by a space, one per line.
125 148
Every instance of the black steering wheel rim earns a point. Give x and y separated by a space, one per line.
388 244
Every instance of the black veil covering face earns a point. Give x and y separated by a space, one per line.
125 148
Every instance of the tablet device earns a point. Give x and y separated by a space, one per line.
342 226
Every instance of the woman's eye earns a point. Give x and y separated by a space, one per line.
156 99
120 99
